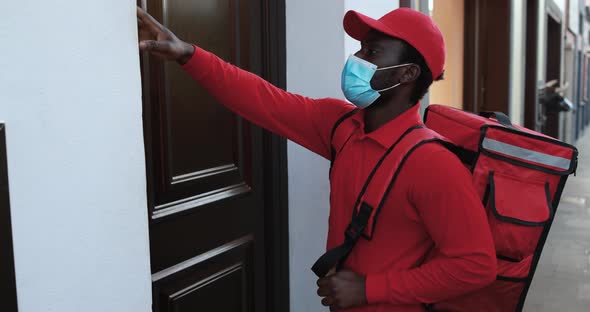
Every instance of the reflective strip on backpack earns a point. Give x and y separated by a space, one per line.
526 154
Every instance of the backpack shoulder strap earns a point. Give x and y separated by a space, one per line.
340 135
382 181
373 195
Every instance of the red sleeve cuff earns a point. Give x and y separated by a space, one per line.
199 63
376 288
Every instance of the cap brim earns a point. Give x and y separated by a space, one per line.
358 25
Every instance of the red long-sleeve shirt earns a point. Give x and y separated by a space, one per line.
432 204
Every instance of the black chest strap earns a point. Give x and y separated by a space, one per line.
334 258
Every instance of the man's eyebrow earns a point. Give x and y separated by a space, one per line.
372 42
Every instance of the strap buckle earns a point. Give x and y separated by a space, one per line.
359 222
334 258
354 231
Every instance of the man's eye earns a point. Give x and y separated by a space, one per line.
371 51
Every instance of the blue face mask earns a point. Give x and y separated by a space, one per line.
356 81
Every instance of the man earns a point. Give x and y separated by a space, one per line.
433 204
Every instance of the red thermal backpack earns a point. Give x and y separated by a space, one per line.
518 173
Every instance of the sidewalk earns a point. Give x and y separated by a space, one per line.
562 279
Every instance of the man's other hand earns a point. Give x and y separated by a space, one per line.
342 290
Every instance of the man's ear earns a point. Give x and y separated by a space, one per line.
411 73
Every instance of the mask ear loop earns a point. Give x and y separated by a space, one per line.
394 66
399 83
390 67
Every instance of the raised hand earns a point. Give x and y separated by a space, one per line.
160 41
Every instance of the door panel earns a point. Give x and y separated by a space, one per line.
192 114
194 159
199 282
207 192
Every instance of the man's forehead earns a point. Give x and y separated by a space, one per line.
374 36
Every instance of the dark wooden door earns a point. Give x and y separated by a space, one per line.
211 185
487 55
553 68
532 110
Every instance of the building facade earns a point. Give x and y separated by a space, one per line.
129 189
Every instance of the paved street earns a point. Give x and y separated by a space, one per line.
562 280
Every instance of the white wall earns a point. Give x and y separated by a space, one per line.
574 16
313 68
315 57
371 8
70 97
561 4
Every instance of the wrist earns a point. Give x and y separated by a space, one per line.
187 53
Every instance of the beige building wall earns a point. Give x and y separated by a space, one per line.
449 16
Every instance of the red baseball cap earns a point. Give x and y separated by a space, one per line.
414 27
